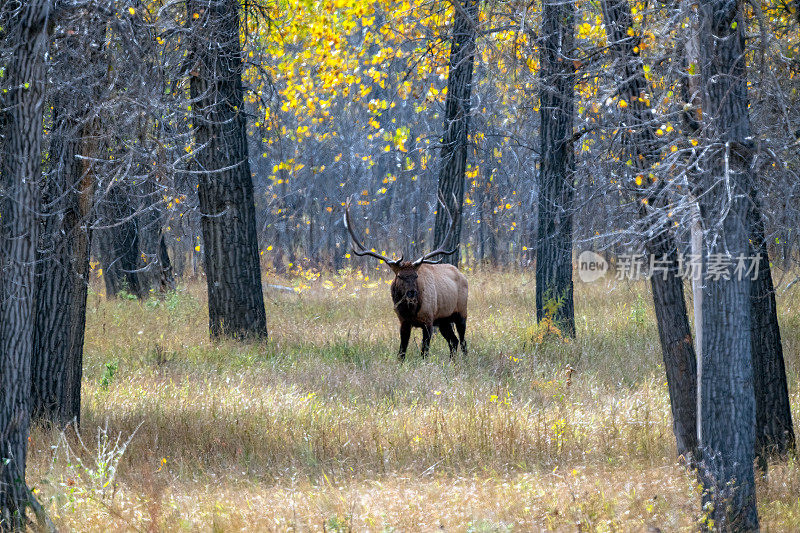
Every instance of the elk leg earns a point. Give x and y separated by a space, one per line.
405 335
461 327
447 332
427 331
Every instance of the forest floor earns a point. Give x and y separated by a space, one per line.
322 430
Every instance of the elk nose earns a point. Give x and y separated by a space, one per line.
411 294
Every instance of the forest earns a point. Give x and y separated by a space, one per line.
232 232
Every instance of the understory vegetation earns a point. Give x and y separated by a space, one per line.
321 429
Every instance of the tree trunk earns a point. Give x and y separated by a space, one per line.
235 299
557 166
453 158
26 32
166 272
727 403
118 242
62 284
668 298
676 344
774 429
149 222
63 255
129 240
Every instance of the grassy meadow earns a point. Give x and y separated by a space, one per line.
320 429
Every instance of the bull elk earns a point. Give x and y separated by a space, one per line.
425 292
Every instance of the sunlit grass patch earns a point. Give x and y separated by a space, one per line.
321 427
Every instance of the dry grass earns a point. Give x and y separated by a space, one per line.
321 429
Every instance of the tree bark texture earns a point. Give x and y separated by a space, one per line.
130 212
129 238
557 165
677 348
62 267
118 242
727 404
167 273
641 147
155 268
235 299
774 428
25 29
453 158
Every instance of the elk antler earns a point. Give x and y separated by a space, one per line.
440 250
362 251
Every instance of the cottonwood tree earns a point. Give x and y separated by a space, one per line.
118 241
453 158
641 147
62 268
556 165
774 432
24 26
225 186
95 176
129 239
727 412
136 135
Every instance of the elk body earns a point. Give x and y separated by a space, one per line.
426 294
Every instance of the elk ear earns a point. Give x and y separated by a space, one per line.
394 266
